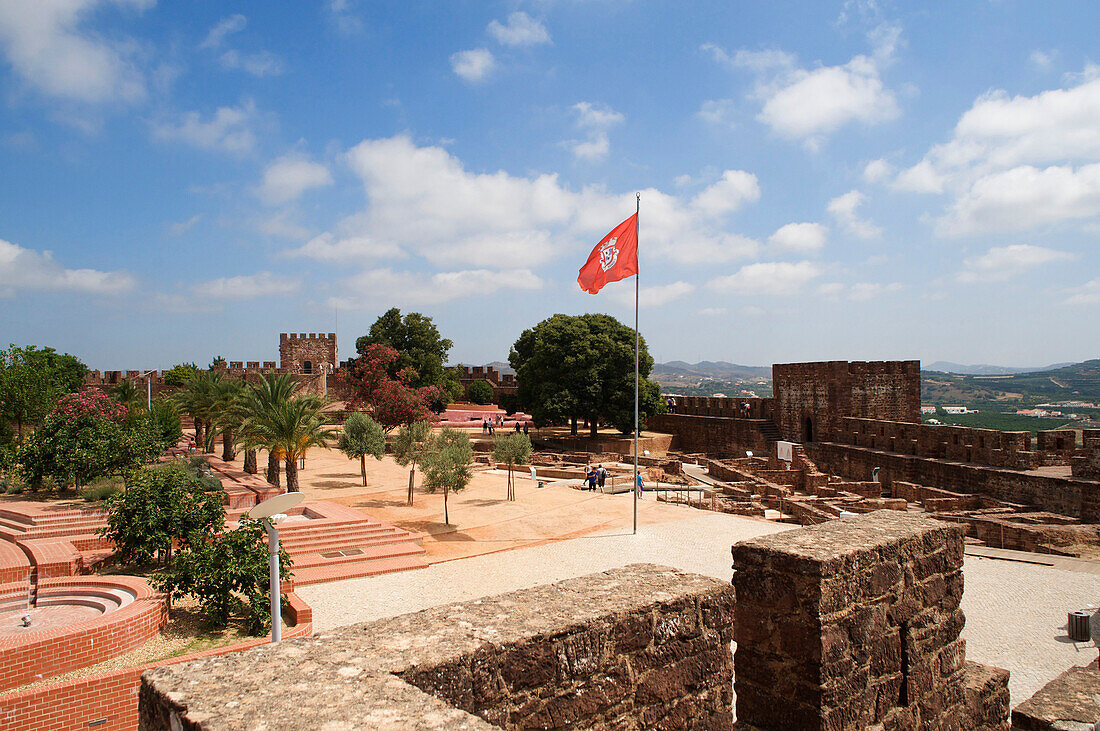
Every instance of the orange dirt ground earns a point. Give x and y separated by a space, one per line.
482 521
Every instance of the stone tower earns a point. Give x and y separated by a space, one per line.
313 353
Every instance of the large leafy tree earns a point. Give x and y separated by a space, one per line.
362 435
446 464
582 367
32 379
392 402
417 341
409 446
512 449
179 374
87 436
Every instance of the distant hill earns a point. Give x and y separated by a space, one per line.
714 370
501 366
943 366
1074 382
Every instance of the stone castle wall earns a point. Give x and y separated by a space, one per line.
810 398
311 353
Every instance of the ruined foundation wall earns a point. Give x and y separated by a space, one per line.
714 435
1065 496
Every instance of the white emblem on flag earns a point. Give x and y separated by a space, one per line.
609 253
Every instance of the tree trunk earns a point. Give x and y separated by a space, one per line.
198 433
363 468
228 451
573 426
593 428
446 518
250 461
291 474
412 473
273 469
19 426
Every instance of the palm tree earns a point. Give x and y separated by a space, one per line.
257 399
226 414
198 398
288 430
130 396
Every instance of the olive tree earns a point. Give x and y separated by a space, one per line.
446 465
362 435
408 448
512 449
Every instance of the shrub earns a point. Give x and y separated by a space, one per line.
180 374
164 423
163 508
101 489
228 574
480 392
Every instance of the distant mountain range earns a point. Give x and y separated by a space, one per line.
1073 382
715 370
942 366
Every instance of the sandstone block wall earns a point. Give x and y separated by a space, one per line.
856 622
1009 449
715 435
810 398
297 349
638 647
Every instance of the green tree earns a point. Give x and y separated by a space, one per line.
130 396
163 509
289 429
409 446
582 367
226 415
362 435
260 398
480 392
512 449
164 421
179 374
32 380
446 464
420 347
85 437
227 573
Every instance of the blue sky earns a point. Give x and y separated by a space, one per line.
847 180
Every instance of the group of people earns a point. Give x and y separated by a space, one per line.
489 425
596 477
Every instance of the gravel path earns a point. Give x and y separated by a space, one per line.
1016 612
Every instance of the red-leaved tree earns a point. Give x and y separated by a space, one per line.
392 402
90 403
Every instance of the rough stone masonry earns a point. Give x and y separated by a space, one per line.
638 647
855 624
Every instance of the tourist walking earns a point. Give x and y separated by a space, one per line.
591 476
601 476
526 424
639 486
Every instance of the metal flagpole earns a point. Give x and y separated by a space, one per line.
637 233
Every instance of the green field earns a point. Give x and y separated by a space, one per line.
995 420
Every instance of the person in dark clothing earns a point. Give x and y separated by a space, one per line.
526 424
601 476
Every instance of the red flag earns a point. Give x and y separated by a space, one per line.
614 258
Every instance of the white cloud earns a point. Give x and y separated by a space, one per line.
656 296
422 200
46 45
1004 262
727 194
719 112
284 225
369 288
27 269
1042 60
712 311
327 247
810 104
1014 163
261 63
345 20
521 30
229 130
179 228
877 171
596 119
473 65
225 27
768 278
858 292
799 237
251 286
288 177
1086 294
843 209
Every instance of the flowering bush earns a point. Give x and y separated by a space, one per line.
90 403
391 402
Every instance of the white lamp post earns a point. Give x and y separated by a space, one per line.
272 512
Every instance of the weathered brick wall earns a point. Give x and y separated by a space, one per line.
1057 441
1066 496
812 397
638 647
712 434
958 443
856 622
734 408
